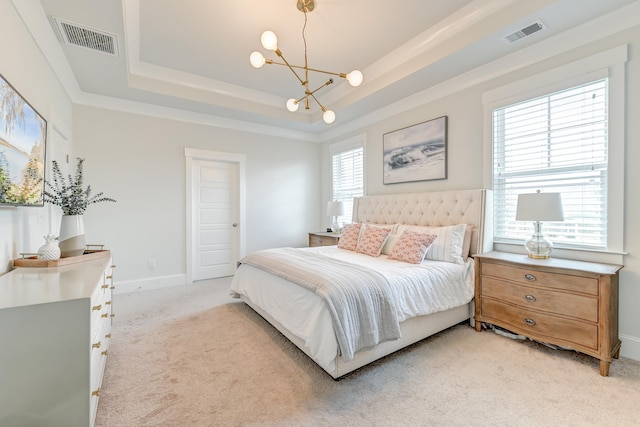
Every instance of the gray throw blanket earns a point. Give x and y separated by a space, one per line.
359 299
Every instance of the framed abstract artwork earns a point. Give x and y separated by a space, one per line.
416 153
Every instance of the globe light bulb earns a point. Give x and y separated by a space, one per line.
256 59
329 117
269 40
292 105
355 78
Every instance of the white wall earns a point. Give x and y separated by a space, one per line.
22 65
139 161
466 168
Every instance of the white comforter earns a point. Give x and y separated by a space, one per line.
419 290
360 300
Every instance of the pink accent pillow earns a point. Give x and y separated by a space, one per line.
411 247
372 240
349 237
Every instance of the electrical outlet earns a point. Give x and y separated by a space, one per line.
151 264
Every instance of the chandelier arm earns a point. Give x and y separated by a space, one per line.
279 53
327 83
316 99
271 61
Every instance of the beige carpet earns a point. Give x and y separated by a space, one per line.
192 356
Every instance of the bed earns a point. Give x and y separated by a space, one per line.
308 316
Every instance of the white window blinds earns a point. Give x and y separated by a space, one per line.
347 179
554 143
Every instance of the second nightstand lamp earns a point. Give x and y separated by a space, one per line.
539 207
335 209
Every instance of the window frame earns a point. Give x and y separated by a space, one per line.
349 144
607 64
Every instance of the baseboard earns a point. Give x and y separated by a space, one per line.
127 286
630 347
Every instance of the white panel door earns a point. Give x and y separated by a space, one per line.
215 209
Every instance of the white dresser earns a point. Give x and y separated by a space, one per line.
55 328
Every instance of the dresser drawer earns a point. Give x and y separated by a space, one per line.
530 297
544 327
524 275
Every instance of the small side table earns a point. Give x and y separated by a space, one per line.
323 239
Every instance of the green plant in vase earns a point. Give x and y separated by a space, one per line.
73 198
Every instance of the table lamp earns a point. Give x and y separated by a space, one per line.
539 207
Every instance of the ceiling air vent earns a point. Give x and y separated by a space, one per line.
88 38
524 32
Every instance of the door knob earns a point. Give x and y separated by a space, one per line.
235 224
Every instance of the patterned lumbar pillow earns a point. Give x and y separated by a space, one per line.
372 240
411 247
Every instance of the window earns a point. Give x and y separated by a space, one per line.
557 142
347 174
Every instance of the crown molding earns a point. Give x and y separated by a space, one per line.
168 113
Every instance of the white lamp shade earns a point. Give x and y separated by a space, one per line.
355 78
269 40
335 208
539 207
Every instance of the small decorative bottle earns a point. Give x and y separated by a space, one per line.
50 250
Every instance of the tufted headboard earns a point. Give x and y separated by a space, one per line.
438 208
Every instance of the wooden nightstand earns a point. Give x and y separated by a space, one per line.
569 303
323 239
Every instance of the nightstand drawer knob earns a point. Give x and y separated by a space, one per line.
529 321
529 298
530 277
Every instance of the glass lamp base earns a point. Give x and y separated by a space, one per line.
335 227
538 246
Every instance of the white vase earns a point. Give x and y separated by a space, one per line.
71 236
50 250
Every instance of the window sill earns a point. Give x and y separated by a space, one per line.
589 255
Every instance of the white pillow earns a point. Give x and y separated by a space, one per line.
447 247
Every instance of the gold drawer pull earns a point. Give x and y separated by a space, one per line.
113 315
96 345
112 288
95 393
105 286
107 303
530 277
113 266
105 353
529 321
96 307
110 276
104 315
108 336
529 298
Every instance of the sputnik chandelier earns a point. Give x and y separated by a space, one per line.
270 42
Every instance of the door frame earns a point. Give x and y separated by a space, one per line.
192 154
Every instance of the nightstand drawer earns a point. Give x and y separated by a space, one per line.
541 326
541 278
316 239
530 297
